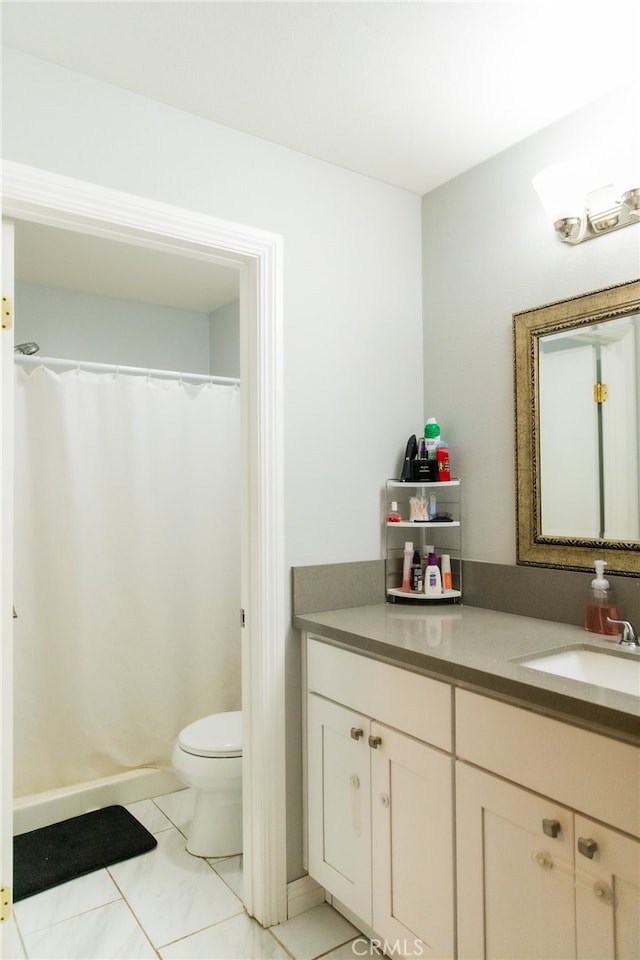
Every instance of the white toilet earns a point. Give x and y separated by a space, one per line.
208 757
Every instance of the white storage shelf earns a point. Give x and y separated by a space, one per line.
445 536
416 524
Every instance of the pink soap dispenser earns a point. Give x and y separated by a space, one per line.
600 605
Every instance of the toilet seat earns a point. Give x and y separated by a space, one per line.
219 735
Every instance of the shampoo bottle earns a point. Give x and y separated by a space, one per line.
600 605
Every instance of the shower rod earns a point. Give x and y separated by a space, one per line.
116 368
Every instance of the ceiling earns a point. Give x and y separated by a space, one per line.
412 94
67 260
409 93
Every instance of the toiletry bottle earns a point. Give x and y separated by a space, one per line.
431 436
600 605
427 550
422 467
433 579
407 560
415 575
445 570
394 516
424 563
442 456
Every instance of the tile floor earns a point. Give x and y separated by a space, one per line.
167 904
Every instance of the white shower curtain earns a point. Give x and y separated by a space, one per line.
127 570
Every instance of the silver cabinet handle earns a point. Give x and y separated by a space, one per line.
587 847
551 827
375 742
356 733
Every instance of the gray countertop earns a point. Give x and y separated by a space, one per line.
479 650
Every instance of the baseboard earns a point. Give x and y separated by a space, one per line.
53 806
303 895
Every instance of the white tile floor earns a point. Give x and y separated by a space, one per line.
167 904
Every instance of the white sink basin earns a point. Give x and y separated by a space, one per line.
615 671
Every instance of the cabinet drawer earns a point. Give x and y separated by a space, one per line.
407 701
588 772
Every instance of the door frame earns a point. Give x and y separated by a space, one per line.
44 197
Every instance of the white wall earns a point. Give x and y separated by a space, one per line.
351 284
488 252
83 326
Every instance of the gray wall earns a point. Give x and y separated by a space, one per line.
488 252
87 326
225 340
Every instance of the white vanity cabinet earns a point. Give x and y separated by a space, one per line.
536 878
379 797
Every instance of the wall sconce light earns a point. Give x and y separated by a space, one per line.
579 213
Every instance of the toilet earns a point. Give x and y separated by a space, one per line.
208 758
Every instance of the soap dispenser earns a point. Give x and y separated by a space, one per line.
600 605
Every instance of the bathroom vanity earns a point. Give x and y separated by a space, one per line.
460 803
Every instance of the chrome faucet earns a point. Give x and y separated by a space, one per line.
628 635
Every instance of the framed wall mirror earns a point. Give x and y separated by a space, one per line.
577 412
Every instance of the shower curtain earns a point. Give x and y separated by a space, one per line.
127 570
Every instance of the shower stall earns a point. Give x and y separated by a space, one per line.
127 566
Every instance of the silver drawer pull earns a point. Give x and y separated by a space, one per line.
356 733
375 742
587 847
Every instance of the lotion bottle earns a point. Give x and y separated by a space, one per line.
432 578
445 562
600 605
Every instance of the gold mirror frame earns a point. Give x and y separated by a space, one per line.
532 548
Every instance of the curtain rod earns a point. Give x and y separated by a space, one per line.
116 368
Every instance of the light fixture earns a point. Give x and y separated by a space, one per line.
579 211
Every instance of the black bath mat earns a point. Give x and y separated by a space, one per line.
51 855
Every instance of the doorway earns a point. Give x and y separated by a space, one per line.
45 198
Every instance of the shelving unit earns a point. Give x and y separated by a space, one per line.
445 536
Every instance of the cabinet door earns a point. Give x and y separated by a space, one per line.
607 893
339 803
412 826
515 881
